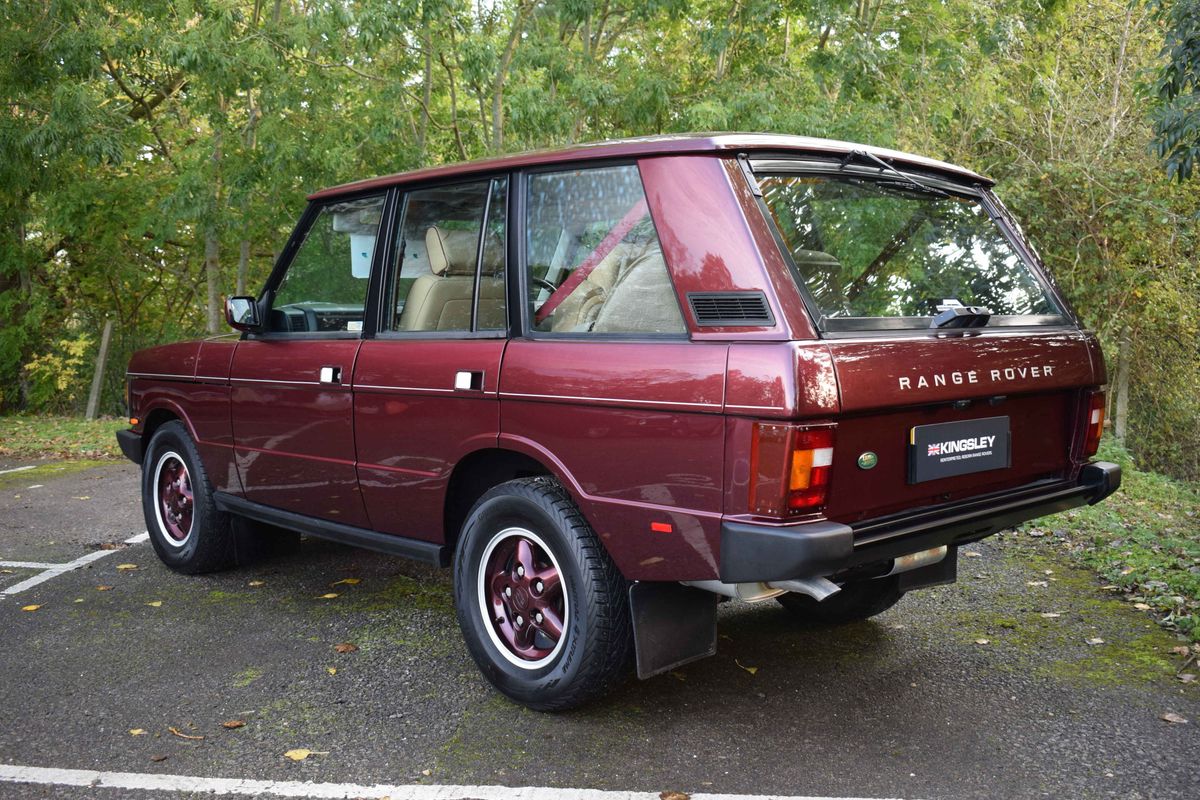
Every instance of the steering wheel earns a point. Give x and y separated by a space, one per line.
543 283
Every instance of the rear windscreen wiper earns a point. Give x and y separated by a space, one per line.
904 176
962 317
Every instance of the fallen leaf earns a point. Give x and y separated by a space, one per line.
1141 606
973 554
182 735
1173 718
347 581
1096 640
1187 677
983 641
256 583
345 647
1051 614
111 546
751 670
426 772
84 497
331 670
137 732
1036 583
126 567
301 753
1182 650
328 596
6 572
679 676
103 588
155 604
1047 572
30 608
670 795
78 599
233 724
157 759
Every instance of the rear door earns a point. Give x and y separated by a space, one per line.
605 385
425 387
291 398
960 370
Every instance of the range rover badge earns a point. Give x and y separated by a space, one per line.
867 460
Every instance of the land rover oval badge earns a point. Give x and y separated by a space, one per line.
867 460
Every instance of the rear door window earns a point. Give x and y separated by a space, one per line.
881 253
593 260
450 259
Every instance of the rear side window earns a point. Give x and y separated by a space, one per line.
877 253
593 260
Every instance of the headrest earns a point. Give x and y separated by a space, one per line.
451 252
454 252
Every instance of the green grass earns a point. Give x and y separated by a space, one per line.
1144 540
59 437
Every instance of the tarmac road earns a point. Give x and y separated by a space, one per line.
905 705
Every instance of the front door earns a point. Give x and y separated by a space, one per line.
292 402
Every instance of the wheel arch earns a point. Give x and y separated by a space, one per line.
476 473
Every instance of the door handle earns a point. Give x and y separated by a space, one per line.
331 375
465 380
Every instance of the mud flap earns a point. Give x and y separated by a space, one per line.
673 625
255 542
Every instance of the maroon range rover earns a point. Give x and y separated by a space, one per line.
612 384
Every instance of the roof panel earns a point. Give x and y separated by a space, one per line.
642 147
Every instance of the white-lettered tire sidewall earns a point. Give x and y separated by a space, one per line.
529 686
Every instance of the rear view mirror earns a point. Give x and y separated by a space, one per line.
242 314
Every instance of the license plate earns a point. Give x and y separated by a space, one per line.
946 449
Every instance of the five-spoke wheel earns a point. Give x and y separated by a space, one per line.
522 597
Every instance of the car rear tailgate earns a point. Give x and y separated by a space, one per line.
1027 382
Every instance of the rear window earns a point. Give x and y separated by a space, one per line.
882 253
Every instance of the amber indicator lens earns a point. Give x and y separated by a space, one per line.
789 468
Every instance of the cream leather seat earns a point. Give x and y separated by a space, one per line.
441 300
629 291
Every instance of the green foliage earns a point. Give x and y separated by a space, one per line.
55 377
1177 116
1144 540
145 146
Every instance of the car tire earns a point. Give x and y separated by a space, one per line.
857 600
187 531
528 564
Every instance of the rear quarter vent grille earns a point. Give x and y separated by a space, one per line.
730 308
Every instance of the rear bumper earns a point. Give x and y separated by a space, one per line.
131 445
756 552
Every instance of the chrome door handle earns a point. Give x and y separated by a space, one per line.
467 381
331 375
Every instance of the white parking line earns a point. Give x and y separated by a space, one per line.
16 469
225 786
54 570
28 565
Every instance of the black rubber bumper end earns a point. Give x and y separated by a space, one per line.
752 552
131 445
1103 477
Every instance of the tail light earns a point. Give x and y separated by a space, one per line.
789 468
1095 425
